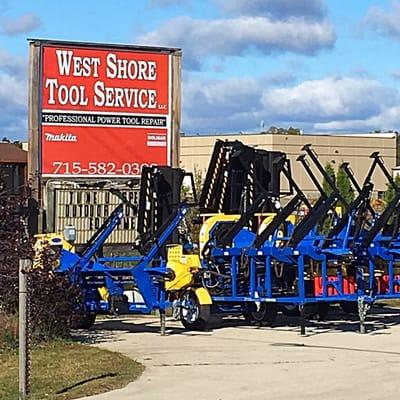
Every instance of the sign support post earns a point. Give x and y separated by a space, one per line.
24 342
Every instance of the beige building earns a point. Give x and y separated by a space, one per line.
195 152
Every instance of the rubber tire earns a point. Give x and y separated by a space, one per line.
204 315
349 307
323 310
290 312
82 321
267 313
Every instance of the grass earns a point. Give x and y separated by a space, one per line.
65 370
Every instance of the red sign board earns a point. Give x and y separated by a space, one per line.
104 111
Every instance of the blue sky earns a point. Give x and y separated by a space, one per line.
320 65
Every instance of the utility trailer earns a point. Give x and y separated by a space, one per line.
295 266
255 257
137 283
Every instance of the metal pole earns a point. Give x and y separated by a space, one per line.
302 320
23 336
162 309
363 308
162 321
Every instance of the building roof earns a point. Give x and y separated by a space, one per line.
11 153
379 135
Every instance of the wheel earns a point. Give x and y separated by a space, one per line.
322 310
349 307
290 310
193 315
267 312
82 321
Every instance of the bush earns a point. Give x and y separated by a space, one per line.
14 245
8 331
51 296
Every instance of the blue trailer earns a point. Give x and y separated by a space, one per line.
255 257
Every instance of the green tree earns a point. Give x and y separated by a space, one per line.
325 185
390 191
327 222
293 131
192 224
283 131
344 185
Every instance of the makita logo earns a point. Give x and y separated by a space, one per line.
61 137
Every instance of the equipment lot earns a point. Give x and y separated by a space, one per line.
237 361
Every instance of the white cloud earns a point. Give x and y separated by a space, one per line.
237 36
396 75
276 8
13 92
13 96
13 107
23 24
13 65
344 103
220 105
330 98
385 23
388 119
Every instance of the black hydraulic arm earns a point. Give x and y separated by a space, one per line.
345 166
392 209
278 220
160 196
124 200
145 245
283 214
282 164
385 171
323 204
312 219
306 165
367 181
285 168
304 226
360 203
314 157
227 238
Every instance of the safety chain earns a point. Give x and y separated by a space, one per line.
363 308
28 332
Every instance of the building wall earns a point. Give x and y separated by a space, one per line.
196 152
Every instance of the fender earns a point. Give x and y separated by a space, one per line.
203 296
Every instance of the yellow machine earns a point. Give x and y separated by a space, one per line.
268 219
52 239
49 240
209 224
183 267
